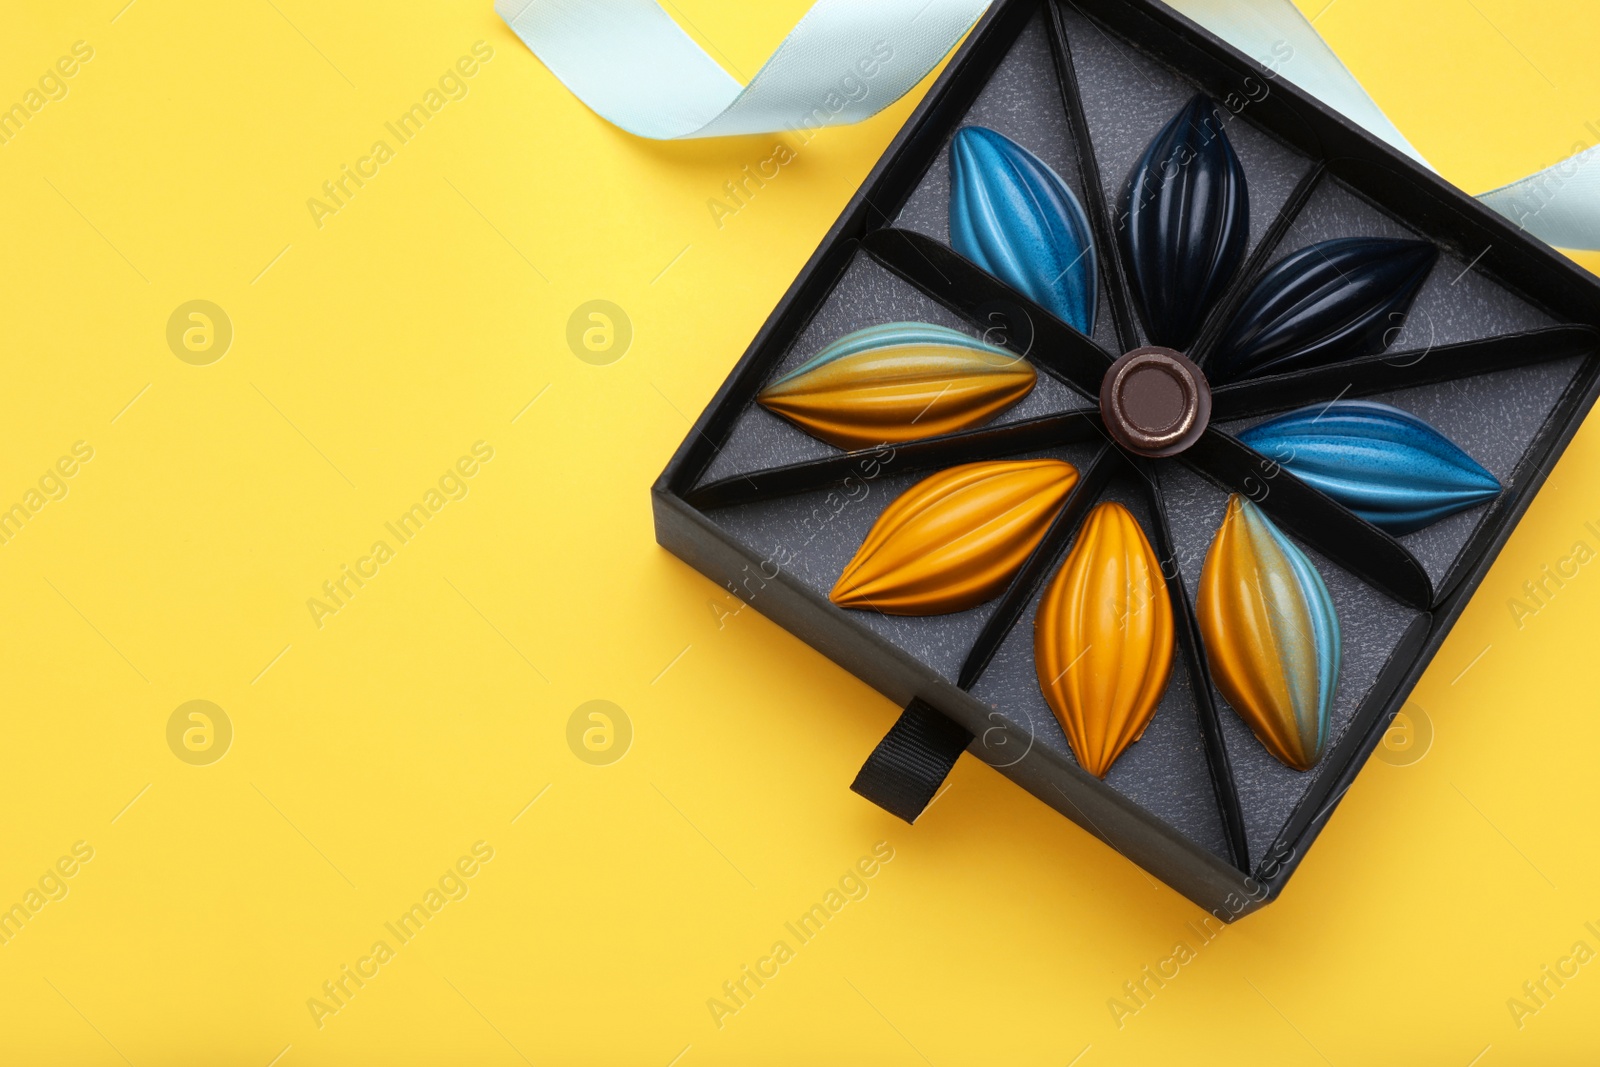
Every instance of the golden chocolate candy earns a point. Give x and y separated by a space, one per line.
1271 634
898 382
1103 638
954 539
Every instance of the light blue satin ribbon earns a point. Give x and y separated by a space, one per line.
847 60
634 67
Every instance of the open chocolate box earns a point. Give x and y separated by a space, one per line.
1223 220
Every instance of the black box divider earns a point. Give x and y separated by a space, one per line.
1325 791
1496 247
1497 252
1109 249
1032 574
1398 370
1537 461
969 290
1187 625
1261 257
933 453
1324 524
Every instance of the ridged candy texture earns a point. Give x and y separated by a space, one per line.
1187 223
1334 300
955 539
1102 638
1014 217
1386 465
1271 634
898 382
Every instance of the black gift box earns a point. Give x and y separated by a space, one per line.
1498 351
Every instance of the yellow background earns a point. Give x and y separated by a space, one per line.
426 715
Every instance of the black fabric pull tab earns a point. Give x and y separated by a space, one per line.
905 770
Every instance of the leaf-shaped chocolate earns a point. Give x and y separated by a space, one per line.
1334 300
1014 217
954 539
1102 638
1384 464
898 382
1271 634
1186 223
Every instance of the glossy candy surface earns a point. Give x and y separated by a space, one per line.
1386 465
954 539
1014 217
1103 638
898 382
1334 300
1271 634
1188 222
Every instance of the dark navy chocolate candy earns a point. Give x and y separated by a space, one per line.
1186 223
1334 300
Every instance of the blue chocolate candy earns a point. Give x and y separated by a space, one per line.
1384 464
1014 217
